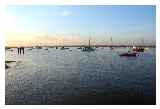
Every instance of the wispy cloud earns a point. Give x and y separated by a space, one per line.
65 13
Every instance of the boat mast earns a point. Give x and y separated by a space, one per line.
111 42
89 41
106 42
142 42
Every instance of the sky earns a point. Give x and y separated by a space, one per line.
73 25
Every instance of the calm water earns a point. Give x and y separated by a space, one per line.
74 77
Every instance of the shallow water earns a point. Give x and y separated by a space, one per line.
56 76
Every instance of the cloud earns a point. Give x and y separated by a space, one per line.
65 13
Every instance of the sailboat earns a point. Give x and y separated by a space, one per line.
88 48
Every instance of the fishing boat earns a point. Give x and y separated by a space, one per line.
88 48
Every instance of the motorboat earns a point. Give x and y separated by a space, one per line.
129 54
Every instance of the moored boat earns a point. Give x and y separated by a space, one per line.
138 49
79 48
38 47
63 48
111 47
88 48
129 54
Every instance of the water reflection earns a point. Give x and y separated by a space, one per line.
56 76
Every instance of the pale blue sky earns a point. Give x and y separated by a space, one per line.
122 23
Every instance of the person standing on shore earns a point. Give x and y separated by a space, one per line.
23 49
20 50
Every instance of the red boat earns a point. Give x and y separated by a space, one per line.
138 49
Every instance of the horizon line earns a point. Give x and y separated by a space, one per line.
96 45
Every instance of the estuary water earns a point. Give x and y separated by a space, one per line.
55 77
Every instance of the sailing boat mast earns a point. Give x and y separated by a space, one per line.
89 41
111 41
142 42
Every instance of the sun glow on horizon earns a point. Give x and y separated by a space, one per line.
33 39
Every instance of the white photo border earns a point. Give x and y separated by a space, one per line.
78 2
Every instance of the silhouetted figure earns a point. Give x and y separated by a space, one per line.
23 49
20 50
